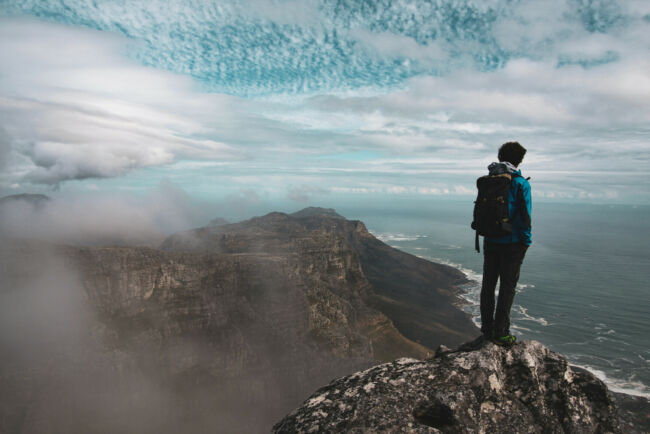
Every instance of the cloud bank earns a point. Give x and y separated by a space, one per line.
73 107
105 219
277 94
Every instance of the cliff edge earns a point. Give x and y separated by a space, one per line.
525 389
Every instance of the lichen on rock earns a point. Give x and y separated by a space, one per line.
524 389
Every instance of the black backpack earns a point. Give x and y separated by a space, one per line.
491 217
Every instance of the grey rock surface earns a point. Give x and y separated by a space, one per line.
524 389
634 413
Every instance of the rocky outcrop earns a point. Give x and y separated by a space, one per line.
634 413
524 389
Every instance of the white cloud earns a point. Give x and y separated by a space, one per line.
463 190
73 107
526 92
572 117
637 7
5 147
304 193
397 46
530 26
297 12
104 218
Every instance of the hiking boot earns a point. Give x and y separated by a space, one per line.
505 341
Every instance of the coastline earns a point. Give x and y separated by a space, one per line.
469 303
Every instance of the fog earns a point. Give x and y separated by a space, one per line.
62 368
55 373
80 353
105 219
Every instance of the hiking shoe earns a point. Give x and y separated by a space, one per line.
505 341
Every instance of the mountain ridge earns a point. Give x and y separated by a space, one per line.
419 296
220 317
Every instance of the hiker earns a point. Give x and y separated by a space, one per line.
506 242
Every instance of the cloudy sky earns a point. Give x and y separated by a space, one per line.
309 101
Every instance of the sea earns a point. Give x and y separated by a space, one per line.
584 289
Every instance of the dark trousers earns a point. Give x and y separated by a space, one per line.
502 262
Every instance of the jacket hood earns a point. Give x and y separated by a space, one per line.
502 167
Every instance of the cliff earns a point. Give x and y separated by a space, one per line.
418 296
229 326
525 389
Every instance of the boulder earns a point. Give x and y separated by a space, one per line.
483 388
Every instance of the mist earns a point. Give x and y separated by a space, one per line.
105 218
63 367
56 372
103 332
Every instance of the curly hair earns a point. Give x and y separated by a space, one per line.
512 152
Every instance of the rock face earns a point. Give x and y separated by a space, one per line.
418 296
525 389
634 413
231 325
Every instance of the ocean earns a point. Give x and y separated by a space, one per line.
584 289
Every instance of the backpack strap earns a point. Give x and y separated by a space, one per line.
515 175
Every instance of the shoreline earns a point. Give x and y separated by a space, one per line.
467 302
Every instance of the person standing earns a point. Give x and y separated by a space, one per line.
503 255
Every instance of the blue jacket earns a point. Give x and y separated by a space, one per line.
519 207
